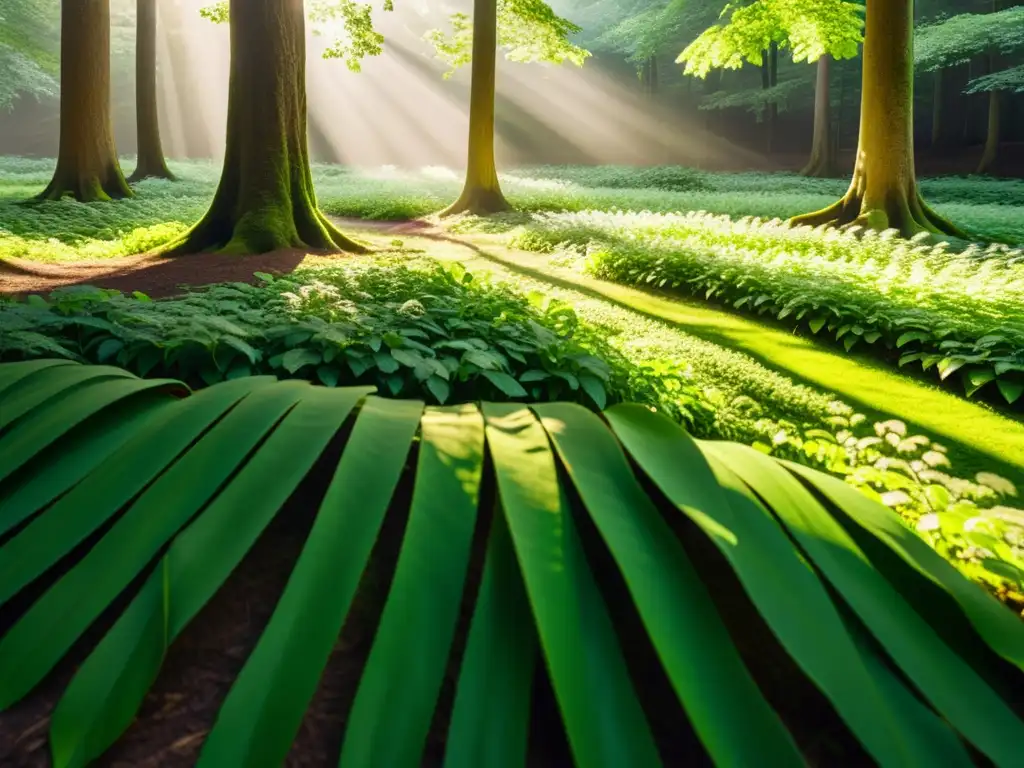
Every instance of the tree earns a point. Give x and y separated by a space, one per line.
265 200
87 165
883 193
959 39
814 30
151 163
529 31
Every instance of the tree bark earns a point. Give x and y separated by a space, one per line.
823 154
87 165
151 162
993 134
265 200
481 193
883 193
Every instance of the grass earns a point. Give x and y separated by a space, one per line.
66 231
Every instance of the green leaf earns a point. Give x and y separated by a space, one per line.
725 707
264 709
402 678
534 375
817 323
780 585
385 362
490 719
505 383
944 678
108 349
407 357
294 359
48 629
976 378
595 390
46 425
910 336
105 694
1010 390
50 383
439 388
483 360
591 687
328 375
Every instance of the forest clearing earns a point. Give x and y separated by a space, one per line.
369 397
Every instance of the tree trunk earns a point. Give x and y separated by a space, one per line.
773 107
654 77
884 194
265 200
823 154
87 166
993 135
481 194
151 163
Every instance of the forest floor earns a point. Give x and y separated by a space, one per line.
979 437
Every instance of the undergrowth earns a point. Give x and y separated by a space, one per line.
954 313
412 331
68 231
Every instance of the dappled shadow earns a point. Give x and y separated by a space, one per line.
156 276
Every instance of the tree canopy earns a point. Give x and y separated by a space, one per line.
957 40
28 57
810 29
529 31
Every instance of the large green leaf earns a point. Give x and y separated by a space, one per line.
724 705
106 692
999 628
126 473
784 590
264 709
491 716
50 473
51 383
43 426
583 657
943 677
394 705
12 373
46 631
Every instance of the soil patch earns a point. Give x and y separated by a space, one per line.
156 276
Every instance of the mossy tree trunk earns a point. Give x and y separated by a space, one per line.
481 193
87 166
884 193
265 199
151 163
823 152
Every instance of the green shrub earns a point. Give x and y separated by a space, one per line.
425 331
957 313
118 480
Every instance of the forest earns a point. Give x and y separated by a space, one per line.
503 383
